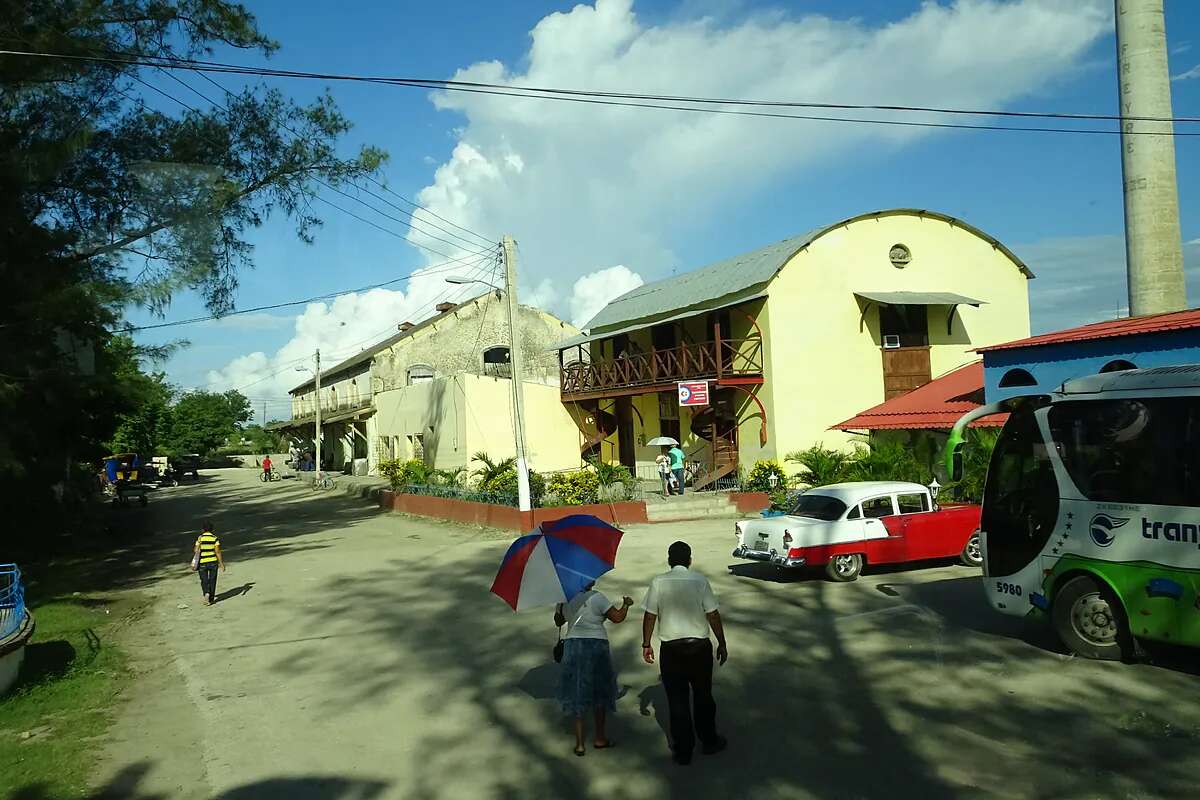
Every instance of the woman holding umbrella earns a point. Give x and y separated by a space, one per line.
557 564
589 682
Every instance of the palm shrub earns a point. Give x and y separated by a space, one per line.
401 472
449 477
821 466
759 478
615 481
887 460
490 470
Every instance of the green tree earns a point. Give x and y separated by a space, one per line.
203 421
143 428
262 440
106 201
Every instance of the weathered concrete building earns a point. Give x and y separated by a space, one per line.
439 390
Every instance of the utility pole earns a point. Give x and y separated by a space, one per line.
509 247
264 415
317 395
1153 245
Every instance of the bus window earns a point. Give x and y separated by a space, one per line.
1020 503
1131 450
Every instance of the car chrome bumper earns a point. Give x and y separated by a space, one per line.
772 557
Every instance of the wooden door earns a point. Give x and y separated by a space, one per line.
626 446
904 369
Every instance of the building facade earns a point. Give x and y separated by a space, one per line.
440 391
792 339
1040 364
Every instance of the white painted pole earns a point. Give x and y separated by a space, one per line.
509 247
1153 244
317 394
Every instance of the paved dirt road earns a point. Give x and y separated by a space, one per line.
362 657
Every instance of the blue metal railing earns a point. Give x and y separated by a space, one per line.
12 600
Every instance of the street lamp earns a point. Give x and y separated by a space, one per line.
509 248
772 480
934 488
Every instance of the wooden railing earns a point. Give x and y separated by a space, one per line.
715 359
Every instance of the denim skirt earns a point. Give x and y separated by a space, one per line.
588 680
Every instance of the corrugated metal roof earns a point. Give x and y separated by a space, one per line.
920 299
1130 326
723 281
584 338
711 284
935 406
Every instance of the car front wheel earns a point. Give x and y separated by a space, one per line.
844 568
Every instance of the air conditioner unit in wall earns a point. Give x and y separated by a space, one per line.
891 342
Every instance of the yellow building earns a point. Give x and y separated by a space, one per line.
792 338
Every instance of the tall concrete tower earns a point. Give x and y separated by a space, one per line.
1153 245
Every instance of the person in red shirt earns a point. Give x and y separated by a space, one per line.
266 465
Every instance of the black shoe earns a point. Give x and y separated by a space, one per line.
716 746
682 759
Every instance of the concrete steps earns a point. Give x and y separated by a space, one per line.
699 505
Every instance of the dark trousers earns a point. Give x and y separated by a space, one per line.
686 666
208 579
679 479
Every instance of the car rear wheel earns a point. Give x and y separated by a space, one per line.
1089 619
972 552
844 568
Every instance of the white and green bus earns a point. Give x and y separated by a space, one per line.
1091 511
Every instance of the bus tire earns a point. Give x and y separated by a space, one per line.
972 552
844 568
1090 620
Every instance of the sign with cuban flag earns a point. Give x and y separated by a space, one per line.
693 393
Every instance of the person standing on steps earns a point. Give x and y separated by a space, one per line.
675 454
207 552
684 607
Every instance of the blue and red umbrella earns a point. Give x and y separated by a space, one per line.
556 561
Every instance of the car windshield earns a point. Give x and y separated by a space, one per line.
819 506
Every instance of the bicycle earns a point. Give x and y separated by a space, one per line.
272 476
323 482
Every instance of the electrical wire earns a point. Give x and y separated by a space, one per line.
436 269
463 244
667 102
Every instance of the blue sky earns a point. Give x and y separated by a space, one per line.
626 195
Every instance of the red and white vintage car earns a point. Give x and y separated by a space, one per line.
846 525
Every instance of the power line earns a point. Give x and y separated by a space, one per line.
667 102
462 244
345 351
290 303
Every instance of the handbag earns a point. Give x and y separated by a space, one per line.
196 561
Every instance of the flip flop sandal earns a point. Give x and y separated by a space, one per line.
581 752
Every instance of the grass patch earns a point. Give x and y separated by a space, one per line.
53 720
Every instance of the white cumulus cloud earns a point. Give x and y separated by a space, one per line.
583 186
593 291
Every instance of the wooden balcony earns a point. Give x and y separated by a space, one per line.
727 361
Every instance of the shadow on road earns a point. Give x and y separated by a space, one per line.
125 786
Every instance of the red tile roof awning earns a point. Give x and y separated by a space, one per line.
935 406
1130 326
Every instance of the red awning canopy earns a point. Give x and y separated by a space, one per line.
935 406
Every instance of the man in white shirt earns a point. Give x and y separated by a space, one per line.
683 605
